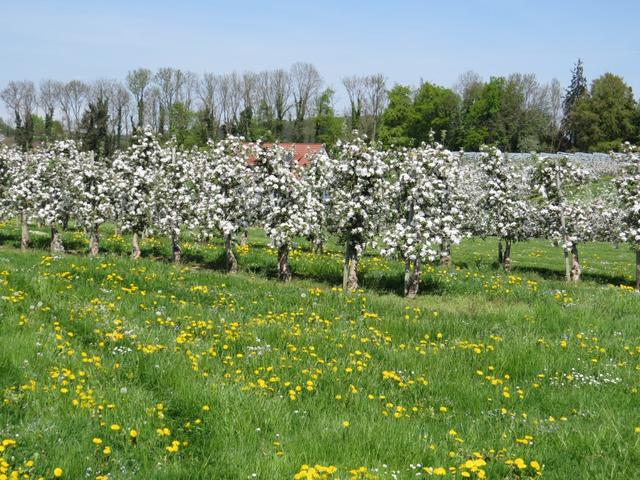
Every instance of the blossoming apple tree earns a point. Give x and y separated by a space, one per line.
503 199
287 205
628 193
226 197
427 213
136 171
358 200
562 221
53 191
176 194
92 188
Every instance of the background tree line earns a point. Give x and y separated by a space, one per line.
517 113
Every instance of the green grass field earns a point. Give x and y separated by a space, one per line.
115 369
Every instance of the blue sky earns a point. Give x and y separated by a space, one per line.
406 40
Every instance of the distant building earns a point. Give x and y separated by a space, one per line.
302 152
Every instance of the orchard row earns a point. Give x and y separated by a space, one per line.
412 204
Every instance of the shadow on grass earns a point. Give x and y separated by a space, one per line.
551 274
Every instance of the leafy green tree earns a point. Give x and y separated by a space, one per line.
604 118
94 129
327 126
182 127
435 109
398 117
575 91
481 123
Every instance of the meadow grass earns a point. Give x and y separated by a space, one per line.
483 375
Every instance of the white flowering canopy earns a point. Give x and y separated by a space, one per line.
319 179
628 193
136 174
359 198
550 178
16 177
503 198
53 182
93 190
287 206
428 210
225 185
175 190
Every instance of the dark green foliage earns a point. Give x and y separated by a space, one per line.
605 116
327 127
94 129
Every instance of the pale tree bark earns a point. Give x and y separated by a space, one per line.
576 269
243 238
506 257
318 246
135 247
94 241
24 227
176 251
445 255
284 270
563 231
350 271
412 278
232 263
56 241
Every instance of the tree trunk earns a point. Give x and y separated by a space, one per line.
24 226
445 256
56 242
135 248
411 279
576 270
500 257
176 251
638 270
284 270
243 238
506 258
318 246
232 263
563 231
350 271
94 242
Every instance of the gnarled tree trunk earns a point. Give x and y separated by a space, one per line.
232 263
56 241
506 257
576 269
243 238
24 227
176 251
135 247
411 278
567 265
284 270
445 255
350 271
94 241
318 246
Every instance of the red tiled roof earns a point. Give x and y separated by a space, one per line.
301 151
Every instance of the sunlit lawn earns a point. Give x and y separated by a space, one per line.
484 374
